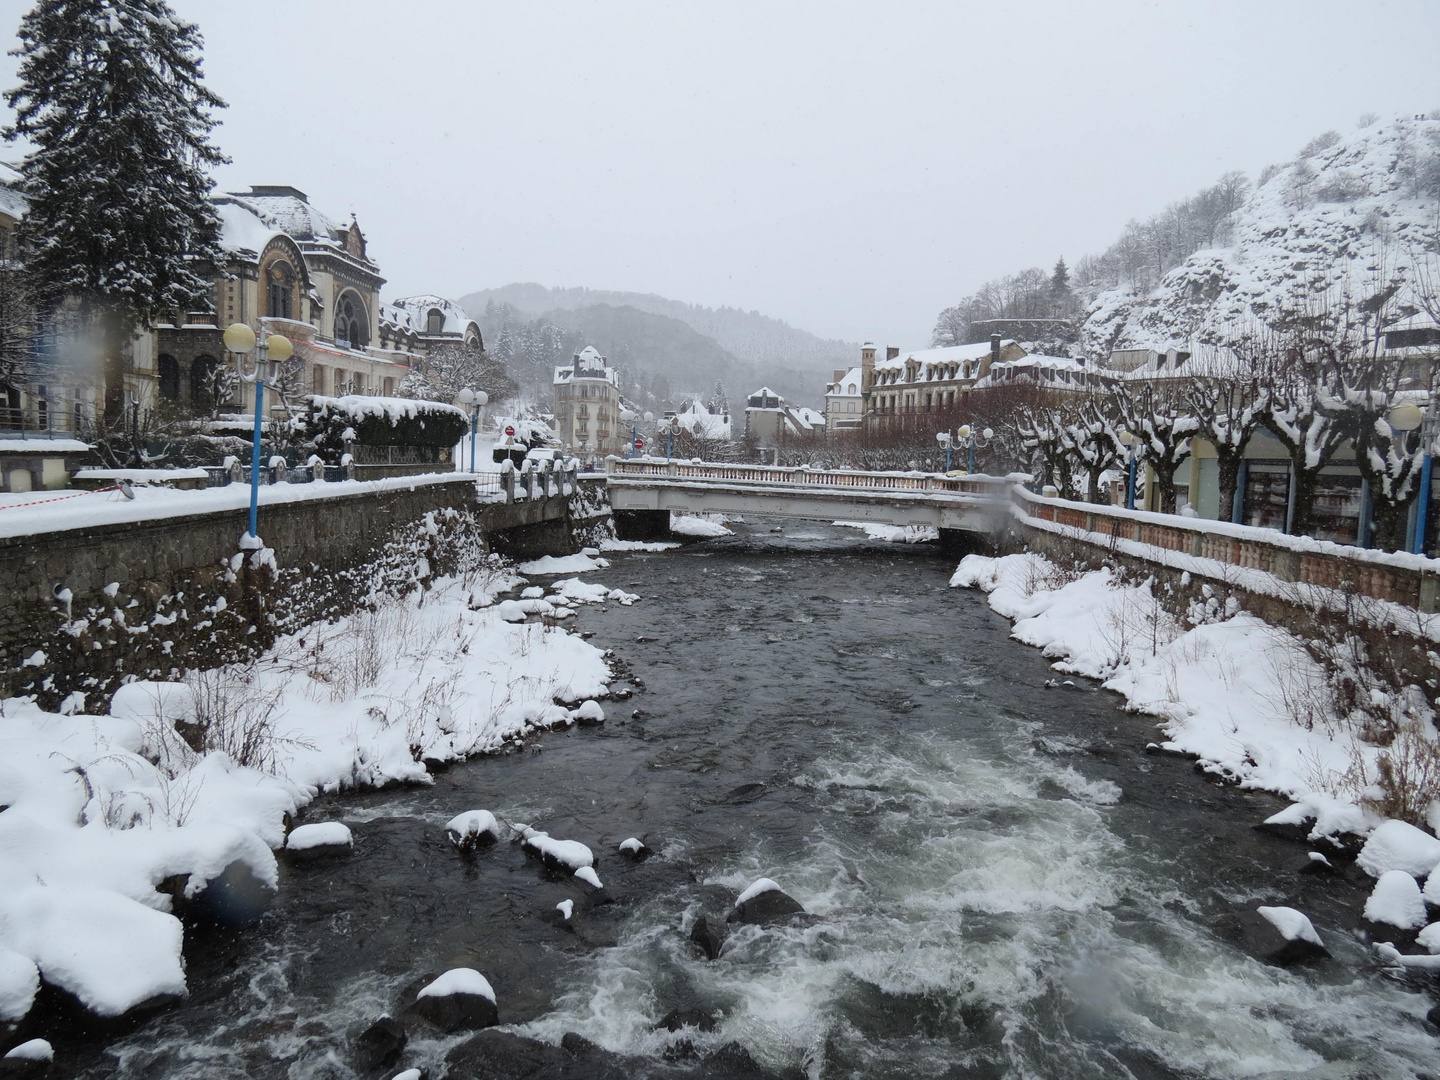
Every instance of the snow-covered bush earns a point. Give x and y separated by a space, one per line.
379 421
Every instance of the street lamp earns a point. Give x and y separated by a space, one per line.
971 439
1404 418
474 400
1127 438
669 434
270 351
944 439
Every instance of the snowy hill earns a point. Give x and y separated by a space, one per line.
747 335
1349 223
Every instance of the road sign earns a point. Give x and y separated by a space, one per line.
510 430
639 444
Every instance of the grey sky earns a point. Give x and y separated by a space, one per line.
850 168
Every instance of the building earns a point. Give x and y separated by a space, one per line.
844 407
769 422
587 406
1046 372
909 385
422 324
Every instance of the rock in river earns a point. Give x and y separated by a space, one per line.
459 1000
764 904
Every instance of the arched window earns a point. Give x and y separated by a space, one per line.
202 378
280 291
434 321
352 324
169 377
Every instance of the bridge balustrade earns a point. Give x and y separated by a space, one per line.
803 475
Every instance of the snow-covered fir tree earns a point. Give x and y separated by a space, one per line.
120 228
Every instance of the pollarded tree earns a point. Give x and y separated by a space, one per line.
1094 435
119 223
1043 437
1158 416
1229 402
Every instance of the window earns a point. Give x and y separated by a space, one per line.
42 406
169 377
389 387
849 406
317 380
434 321
352 324
279 291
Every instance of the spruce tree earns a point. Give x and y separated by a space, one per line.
120 228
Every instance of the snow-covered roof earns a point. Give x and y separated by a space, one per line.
591 366
288 210
412 313
698 419
243 230
847 386
803 419
952 354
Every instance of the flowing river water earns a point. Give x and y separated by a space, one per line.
1005 884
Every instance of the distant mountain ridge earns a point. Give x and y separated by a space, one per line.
746 335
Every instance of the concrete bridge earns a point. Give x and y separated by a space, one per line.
643 492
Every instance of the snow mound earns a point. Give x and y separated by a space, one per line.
1398 845
534 592
511 611
569 853
458 981
473 823
19 982
1291 924
1429 938
763 885
589 711
320 834
688 525
566 909
34 1050
632 845
1396 900
568 564
587 874
1432 887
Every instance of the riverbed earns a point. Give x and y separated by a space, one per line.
1005 884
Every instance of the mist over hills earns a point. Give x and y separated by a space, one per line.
684 346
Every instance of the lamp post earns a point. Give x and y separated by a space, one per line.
1403 419
272 349
669 434
944 439
1127 438
474 400
971 439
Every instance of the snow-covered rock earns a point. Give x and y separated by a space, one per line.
1396 901
459 1000
511 611
558 854
33 1050
763 903
588 714
472 829
1398 845
565 564
320 840
533 592
698 527
1431 891
1275 935
634 849
566 909
1429 938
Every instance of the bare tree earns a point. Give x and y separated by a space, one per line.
1229 405
451 368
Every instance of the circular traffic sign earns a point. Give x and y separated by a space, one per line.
510 430
639 444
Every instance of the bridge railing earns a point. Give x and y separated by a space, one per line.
727 472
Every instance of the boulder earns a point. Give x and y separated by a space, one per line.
459 1000
380 1045
733 1062
472 830
1315 863
322 840
1276 935
709 938
574 1043
634 850
764 904
1395 910
498 1055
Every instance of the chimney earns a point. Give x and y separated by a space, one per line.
839 375
867 368
994 348
892 351
577 365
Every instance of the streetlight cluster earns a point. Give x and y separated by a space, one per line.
270 351
474 400
966 438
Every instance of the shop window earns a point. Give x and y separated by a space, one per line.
1267 494
1337 508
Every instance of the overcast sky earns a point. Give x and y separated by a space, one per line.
850 168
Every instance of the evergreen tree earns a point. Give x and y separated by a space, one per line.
119 223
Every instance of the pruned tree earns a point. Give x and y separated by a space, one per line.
1229 404
1042 435
1158 416
1094 434
119 227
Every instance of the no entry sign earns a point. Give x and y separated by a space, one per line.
510 430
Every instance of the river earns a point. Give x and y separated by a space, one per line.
1006 885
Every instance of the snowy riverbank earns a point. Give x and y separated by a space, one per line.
1243 697
100 813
